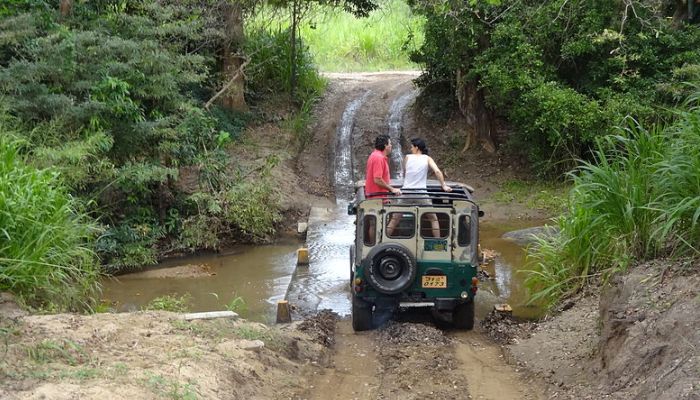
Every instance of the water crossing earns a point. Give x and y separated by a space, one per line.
396 113
323 284
344 165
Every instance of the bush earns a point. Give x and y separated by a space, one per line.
45 241
271 65
637 201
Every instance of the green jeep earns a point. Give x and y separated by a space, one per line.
419 249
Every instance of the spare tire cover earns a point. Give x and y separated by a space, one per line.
390 268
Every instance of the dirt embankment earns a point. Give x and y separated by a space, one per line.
638 339
152 355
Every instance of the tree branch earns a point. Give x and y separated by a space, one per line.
228 84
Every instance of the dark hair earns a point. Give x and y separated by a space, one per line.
381 141
420 143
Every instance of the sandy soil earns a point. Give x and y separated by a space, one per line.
151 355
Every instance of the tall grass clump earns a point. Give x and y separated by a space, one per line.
639 199
382 41
45 256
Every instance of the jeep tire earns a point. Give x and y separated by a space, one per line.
390 268
463 315
361 315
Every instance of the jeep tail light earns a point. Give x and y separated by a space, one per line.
475 285
358 281
358 288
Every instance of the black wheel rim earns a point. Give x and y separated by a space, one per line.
390 268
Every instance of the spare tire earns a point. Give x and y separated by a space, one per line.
390 268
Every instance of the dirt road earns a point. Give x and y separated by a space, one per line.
405 360
416 361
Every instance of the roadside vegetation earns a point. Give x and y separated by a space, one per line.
639 199
340 42
45 237
110 118
593 93
561 73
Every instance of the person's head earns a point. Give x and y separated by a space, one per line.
419 145
382 142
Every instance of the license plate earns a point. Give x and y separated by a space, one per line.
434 281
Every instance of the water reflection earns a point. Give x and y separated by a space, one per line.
507 283
259 275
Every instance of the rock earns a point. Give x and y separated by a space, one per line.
302 227
527 236
9 307
253 345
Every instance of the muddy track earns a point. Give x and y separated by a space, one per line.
402 360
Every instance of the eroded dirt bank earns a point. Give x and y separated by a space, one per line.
151 355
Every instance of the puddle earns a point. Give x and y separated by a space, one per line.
507 283
259 275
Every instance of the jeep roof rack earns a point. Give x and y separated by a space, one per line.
460 191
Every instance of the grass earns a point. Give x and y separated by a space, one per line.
65 351
171 303
170 388
272 338
45 241
340 42
547 196
637 201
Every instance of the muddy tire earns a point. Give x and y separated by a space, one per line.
390 268
463 316
361 315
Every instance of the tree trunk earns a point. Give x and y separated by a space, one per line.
293 48
480 126
233 98
65 8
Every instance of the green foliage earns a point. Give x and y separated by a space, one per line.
637 201
382 41
45 240
111 98
563 72
271 65
237 305
171 303
169 388
535 194
64 350
271 337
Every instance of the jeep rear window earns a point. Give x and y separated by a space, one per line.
464 236
369 229
400 225
441 228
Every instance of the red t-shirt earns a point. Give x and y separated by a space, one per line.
377 166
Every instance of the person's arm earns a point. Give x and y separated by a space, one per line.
438 173
380 182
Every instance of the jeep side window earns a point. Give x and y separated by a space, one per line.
464 231
435 225
405 225
369 229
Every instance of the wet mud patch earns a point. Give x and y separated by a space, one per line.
321 327
417 362
503 328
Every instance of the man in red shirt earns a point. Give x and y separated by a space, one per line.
377 177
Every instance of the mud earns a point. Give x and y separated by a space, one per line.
321 327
